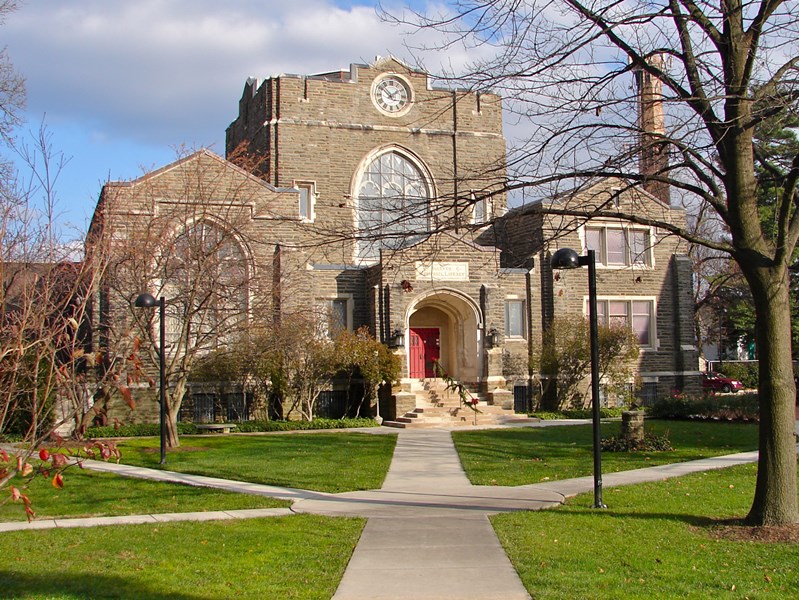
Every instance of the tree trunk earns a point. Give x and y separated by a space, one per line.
775 501
173 404
172 439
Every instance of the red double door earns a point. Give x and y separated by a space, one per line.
425 350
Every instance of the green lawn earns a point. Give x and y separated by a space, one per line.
301 556
90 494
325 462
656 540
533 455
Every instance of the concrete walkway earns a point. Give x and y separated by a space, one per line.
427 536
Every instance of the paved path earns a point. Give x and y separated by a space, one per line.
428 534
427 526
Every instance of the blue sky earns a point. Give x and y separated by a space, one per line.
120 85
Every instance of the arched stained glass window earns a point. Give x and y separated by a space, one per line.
393 205
206 280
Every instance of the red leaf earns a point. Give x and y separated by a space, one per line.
127 396
58 481
15 494
44 454
4 455
59 461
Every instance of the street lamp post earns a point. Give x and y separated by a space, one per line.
566 258
146 300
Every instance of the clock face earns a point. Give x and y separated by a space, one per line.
391 95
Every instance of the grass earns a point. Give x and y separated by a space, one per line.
90 494
299 557
531 455
656 540
325 462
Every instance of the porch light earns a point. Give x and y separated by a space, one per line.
397 339
492 338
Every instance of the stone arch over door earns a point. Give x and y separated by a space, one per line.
451 324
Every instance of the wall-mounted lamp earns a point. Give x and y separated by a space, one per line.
492 338
397 339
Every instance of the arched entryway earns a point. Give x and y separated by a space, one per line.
445 326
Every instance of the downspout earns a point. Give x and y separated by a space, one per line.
455 158
679 359
528 284
276 121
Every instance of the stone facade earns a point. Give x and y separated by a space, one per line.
373 190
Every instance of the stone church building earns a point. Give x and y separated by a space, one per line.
371 198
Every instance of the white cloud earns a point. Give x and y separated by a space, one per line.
121 83
169 72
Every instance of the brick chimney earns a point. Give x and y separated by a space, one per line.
653 160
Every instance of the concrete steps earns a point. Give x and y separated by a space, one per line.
436 406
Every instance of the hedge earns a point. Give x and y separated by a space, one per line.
153 429
738 407
604 413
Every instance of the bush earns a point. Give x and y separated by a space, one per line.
650 443
153 429
136 430
746 373
265 426
583 413
739 407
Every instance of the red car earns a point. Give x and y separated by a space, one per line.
717 382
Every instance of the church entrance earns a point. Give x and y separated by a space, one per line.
425 351
444 326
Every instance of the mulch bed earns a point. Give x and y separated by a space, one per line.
735 530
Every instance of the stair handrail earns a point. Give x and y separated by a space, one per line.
464 395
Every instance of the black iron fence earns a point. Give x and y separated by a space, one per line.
210 406
332 404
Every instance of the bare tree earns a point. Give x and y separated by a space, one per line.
48 369
183 233
566 358
705 76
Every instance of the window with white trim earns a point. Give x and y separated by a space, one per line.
620 246
637 314
515 322
307 197
335 316
481 209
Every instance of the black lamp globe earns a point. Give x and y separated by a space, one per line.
565 258
145 300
